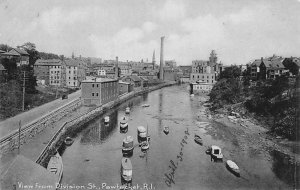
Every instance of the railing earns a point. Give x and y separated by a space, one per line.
83 116
37 122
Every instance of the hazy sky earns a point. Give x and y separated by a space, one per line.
239 30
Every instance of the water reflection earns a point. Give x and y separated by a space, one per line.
160 112
99 132
285 169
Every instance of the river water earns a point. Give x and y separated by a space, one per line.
175 161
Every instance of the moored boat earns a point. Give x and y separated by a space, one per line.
69 141
142 134
216 152
145 146
145 105
123 123
126 169
232 167
127 146
106 119
127 110
55 166
166 130
198 139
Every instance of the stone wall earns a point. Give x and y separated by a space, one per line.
11 141
76 124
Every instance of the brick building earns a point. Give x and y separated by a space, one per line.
99 91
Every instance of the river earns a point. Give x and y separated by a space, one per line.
175 161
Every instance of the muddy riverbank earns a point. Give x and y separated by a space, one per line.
249 136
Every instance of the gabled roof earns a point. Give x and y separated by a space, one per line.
274 64
48 62
256 63
1 51
20 51
143 78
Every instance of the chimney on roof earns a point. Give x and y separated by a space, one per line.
261 59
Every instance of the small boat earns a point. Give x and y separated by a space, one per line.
55 166
231 166
126 169
145 146
106 119
69 141
192 95
127 147
145 105
166 130
198 139
142 134
123 124
216 152
127 110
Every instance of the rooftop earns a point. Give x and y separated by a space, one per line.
47 62
99 80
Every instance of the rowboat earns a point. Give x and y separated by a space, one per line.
231 166
127 110
142 134
106 119
166 130
127 147
126 169
198 139
55 166
216 153
145 105
145 146
69 141
123 124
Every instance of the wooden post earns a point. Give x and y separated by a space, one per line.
19 137
23 105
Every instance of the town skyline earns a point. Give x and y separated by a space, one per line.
239 31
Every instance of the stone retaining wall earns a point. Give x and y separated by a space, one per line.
11 141
71 127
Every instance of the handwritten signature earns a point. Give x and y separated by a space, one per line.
170 179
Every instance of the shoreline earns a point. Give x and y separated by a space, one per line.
255 134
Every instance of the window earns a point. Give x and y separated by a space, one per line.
69 72
203 76
92 94
207 76
69 77
74 83
97 94
97 85
93 85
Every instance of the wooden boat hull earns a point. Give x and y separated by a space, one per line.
55 166
199 141
233 168
68 141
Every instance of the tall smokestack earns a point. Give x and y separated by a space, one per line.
117 68
161 69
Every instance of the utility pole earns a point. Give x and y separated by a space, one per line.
56 85
19 137
23 105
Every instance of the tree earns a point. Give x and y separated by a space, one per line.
5 47
33 53
230 72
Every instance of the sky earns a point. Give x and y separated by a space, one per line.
238 30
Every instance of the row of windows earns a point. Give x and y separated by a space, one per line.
55 67
73 72
54 77
54 82
95 94
55 72
202 76
73 78
105 85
